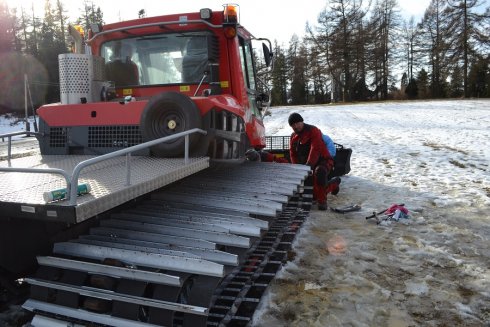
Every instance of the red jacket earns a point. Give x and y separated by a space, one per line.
308 148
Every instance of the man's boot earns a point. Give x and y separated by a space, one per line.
333 185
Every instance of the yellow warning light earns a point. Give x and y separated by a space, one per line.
230 20
230 13
230 32
79 29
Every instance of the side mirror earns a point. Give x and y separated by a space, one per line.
267 54
263 101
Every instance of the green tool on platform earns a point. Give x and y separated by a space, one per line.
60 194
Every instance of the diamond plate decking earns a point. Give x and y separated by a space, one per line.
21 194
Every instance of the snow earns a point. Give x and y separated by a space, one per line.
432 269
11 124
24 145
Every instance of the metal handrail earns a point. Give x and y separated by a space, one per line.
175 22
9 136
72 179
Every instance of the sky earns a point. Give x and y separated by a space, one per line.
432 269
272 19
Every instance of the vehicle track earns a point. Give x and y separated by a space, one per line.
199 252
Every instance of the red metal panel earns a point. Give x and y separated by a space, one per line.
92 114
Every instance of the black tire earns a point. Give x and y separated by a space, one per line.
167 114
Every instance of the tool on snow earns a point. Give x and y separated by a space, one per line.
377 213
349 208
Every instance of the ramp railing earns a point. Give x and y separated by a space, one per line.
72 179
9 140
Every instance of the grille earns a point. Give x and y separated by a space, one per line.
277 142
78 72
113 136
57 137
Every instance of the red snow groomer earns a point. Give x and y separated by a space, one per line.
144 79
105 238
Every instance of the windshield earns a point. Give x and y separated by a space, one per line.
157 59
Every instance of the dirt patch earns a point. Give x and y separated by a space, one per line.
349 270
436 147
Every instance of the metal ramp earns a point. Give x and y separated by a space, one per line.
114 179
21 194
159 263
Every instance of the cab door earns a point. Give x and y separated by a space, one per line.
256 129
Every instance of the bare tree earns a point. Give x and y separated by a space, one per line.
90 14
279 77
410 34
434 40
385 22
318 75
298 70
336 36
61 19
468 32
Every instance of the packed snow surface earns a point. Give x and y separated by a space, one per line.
432 269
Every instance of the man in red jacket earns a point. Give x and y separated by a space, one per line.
307 147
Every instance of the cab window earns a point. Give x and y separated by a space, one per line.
247 63
248 68
170 58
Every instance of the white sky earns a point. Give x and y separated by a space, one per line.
273 19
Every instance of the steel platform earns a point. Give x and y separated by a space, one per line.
21 194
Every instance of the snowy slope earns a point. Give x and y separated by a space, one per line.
438 147
432 269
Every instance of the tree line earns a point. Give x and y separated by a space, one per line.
30 43
356 51
361 51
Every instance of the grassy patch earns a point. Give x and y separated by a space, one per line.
436 146
487 190
457 163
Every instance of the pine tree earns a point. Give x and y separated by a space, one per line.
51 44
404 83
60 21
33 41
7 35
10 94
279 78
412 90
23 34
478 78
456 88
423 84
298 67
90 15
